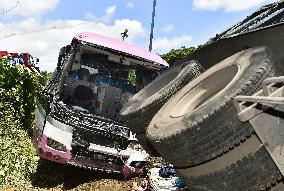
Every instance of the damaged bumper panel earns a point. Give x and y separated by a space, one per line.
88 159
83 141
53 143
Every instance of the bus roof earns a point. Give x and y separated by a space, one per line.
120 46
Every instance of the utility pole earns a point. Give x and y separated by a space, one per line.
152 25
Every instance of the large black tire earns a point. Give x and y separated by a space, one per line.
141 108
200 122
246 168
143 141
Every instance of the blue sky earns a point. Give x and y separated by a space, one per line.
43 26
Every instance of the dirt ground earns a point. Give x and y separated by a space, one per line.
55 177
51 176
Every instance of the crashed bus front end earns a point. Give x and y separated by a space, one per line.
77 115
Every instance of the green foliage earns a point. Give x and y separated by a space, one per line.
176 55
18 158
132 77
45 77
18 88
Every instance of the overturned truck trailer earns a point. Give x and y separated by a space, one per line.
77 119
214 142
214 149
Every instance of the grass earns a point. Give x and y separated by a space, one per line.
18 158
20 166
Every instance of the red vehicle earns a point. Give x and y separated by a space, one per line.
24 59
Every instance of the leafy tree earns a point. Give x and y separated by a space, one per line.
176 55
45 77
132 77
18 88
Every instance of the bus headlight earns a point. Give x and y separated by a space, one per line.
55 145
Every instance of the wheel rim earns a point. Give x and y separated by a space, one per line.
206 90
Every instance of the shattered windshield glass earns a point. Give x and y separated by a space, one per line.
97 84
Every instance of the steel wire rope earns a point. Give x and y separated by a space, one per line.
41 30
3 11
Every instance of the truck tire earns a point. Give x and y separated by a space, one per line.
247 168
200 122
278 187
143 141
140 109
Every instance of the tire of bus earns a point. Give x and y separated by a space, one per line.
140 109
200 122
